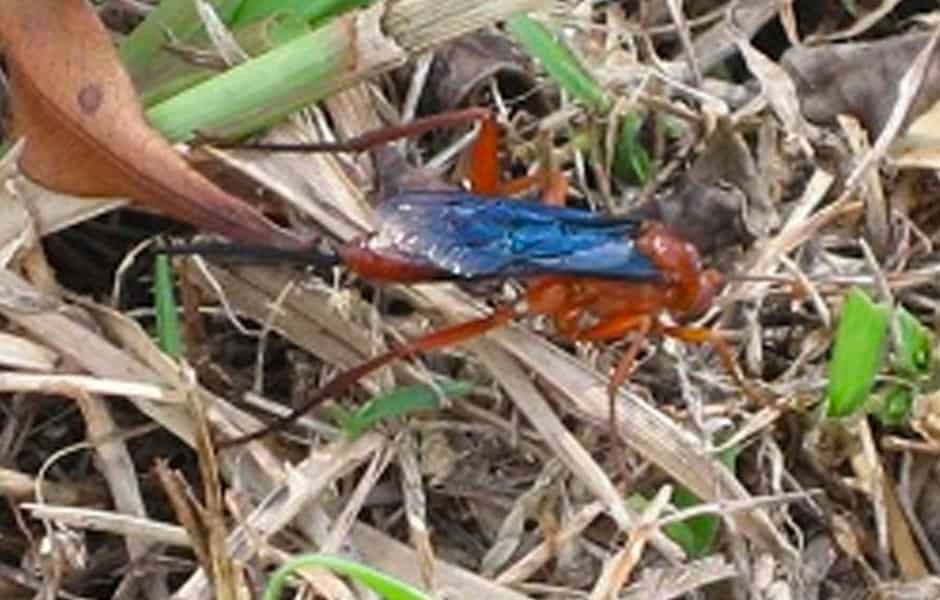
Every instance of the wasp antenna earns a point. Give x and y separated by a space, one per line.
314 256
758 278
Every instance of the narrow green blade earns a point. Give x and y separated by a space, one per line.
382 584
168 324
558 59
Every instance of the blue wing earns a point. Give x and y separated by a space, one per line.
465 236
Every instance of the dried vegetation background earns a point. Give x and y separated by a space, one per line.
793 142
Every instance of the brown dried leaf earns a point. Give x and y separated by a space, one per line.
860 79
722 201
710 215
85 130
462 68
779 91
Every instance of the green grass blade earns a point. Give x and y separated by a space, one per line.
139 49
257 27
260 91
631 160
558 59
382 584
171 75
168 324
312 12
857 355
399 402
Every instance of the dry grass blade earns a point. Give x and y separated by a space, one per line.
21 353
379 549
20 486
716 44
304 484
85 348
145 530
536 558
391 556
675 582
621 564
908 90
117 466
420 24
416 509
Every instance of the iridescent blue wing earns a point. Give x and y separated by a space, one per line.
465 236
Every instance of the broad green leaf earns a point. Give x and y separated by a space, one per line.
857 355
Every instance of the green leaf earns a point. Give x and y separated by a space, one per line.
895 405
704 528
696 535
681 532
857 355
401 401
168 324
558 59
631 160
382 584
913 344
312 12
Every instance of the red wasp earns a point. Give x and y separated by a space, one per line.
598 277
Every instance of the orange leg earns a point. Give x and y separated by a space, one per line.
555 187
617 327
638 325
567 321
484 159
484 172
432 341
701 335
